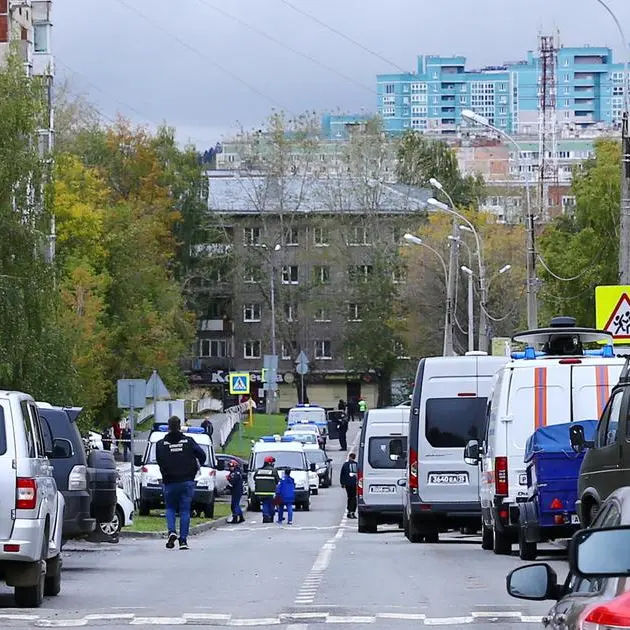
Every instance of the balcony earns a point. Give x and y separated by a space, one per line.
211 249
223 325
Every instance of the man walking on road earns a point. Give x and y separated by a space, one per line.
266 480
348 480
179 458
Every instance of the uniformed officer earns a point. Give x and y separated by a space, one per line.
235 479
266 480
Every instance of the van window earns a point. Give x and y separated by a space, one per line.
3 434
607 428
387 452
28 430
453 422
492 410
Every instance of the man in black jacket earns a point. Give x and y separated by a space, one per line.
179 458
348 480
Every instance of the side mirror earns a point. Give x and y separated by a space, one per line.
313 467
588 557
576 436
61 449
220 464
472 453
534 582
137 460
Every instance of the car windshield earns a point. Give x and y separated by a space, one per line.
307 438
316 457
204 447
284 459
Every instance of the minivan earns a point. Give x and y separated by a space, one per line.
560 384
448 409
382 468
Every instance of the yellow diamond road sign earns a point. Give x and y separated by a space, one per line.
612 311
239 383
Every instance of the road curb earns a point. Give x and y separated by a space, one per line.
194 531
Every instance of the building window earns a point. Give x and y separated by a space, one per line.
251 350
358 236
321 274
219 348
322 314
354 312
323 349
290 274
289 350
41 38
399 276
251 236
390 111
252 275
320 237
291 237
389 88
290 312
360 273
251 312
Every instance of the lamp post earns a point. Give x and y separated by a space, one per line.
624 223
471 297
447 349
270 397
483 341
532 297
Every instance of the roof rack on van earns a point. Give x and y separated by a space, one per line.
563 338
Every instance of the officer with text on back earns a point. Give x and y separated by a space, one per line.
348 480
266 480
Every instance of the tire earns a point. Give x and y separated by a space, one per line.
367 525
433 537
31 596
208 510
306 506
413 533
501 544
144 509
330 481
316 491
254 505
487 538
114 526
52 583
405 525
526 550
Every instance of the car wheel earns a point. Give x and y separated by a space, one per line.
330 481
432 537
367 525
502 544
592 514
526 550
31 596
144 509
52 582
208 510
487 538
115 525
306 506
315 490
413 533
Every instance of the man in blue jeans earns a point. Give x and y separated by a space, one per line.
179 458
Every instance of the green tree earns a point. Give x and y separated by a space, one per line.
421 158
581 249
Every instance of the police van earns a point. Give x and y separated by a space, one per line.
151 494
288 453
309 414
562 383
448 409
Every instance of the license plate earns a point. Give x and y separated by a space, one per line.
575 519
451 479
522 479
382 489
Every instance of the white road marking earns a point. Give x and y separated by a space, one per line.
19 617
158 621
207 617
448 621
297 626
403 616
335 619
61 623
108 616
270 621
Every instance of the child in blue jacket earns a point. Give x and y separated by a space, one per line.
285 495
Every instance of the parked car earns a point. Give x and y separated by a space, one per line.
86 480
123 517
599 565
323 463
223 461
31 506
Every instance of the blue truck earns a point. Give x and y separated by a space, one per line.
553 468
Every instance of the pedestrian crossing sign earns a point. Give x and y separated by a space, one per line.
239 383
612 305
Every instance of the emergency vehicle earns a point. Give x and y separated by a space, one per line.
288 453
151 494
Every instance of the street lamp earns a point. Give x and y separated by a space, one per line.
448 327
532 298
471 295
270 399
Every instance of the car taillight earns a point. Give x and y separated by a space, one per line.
501 476
77 480
610 616
144 469
412 482
360 484
556 504
26 494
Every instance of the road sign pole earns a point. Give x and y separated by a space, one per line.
155 389
302 387
132 433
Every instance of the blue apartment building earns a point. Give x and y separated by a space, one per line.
589 94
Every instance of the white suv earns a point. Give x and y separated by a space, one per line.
31 507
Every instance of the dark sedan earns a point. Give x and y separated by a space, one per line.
598 573
323 464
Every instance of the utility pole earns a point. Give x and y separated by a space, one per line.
449 350
471 311
624 219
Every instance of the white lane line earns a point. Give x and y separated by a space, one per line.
402 616
19 617
447 621
109 616
206 617
60 623
269 621
297 626
158 621
333 619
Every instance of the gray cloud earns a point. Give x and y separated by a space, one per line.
153 73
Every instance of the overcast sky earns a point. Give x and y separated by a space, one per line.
188 63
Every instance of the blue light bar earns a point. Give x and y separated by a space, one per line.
607 352
163 428
276 438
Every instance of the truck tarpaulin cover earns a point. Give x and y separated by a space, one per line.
555 439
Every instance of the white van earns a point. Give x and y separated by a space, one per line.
532 391
448 409
382 467
31 507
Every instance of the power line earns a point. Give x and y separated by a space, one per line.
283 45
344 36
206 58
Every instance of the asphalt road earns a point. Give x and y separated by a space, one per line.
319 571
